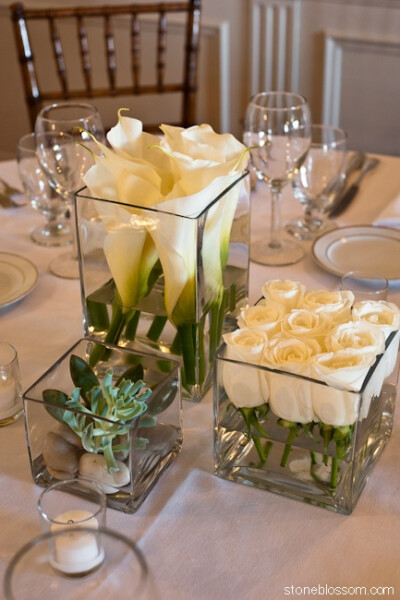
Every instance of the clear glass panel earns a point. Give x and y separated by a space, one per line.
164 282
325 451
62 441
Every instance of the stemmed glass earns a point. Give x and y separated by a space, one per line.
317 181
277 129
56 231
63 144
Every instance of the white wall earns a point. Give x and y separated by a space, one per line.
343 55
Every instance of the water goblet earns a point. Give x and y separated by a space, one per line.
277 129
65 148
56 231
317 181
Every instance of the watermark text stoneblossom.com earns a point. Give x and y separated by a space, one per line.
335 591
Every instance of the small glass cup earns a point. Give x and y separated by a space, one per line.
10 387
123 574
365 286
74 504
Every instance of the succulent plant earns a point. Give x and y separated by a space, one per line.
106 411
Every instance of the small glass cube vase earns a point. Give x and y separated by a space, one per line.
300 437
63 441
164 282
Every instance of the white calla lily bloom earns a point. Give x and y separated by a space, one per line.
179 177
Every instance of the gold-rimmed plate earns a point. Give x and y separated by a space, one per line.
18 277
357 248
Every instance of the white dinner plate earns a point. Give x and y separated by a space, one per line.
357 248
18 277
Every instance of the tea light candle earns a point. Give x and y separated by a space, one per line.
7 396
76 552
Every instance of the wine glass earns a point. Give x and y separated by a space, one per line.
65 149
56 231
277 129
317 181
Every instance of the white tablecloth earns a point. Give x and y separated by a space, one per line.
205 538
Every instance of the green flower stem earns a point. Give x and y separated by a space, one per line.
334 472
98 315
202 361
232 298
251 420
132 322
293 431
113 334
221 318
156 328
186 336
327 432
214 326
176 347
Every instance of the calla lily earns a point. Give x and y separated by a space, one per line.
180 178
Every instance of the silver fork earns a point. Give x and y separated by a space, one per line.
6 195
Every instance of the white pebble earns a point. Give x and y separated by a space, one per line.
94 466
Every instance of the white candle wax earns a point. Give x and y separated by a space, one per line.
7 397
76 552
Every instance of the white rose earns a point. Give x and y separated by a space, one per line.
289 354
335 303
287 292
345 369
360 336
334 407
307 325
242 381
264 317
379 313
289 396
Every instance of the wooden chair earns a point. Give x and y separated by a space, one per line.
37 96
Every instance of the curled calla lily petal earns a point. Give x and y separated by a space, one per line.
175 237
336 303
130 255
202 142
289 293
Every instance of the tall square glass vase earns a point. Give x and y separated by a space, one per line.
164 282
299 437
93 435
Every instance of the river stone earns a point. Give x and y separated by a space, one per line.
94 466
68 434
60 455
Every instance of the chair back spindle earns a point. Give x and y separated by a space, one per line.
186 86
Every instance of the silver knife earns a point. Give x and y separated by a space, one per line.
345 199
